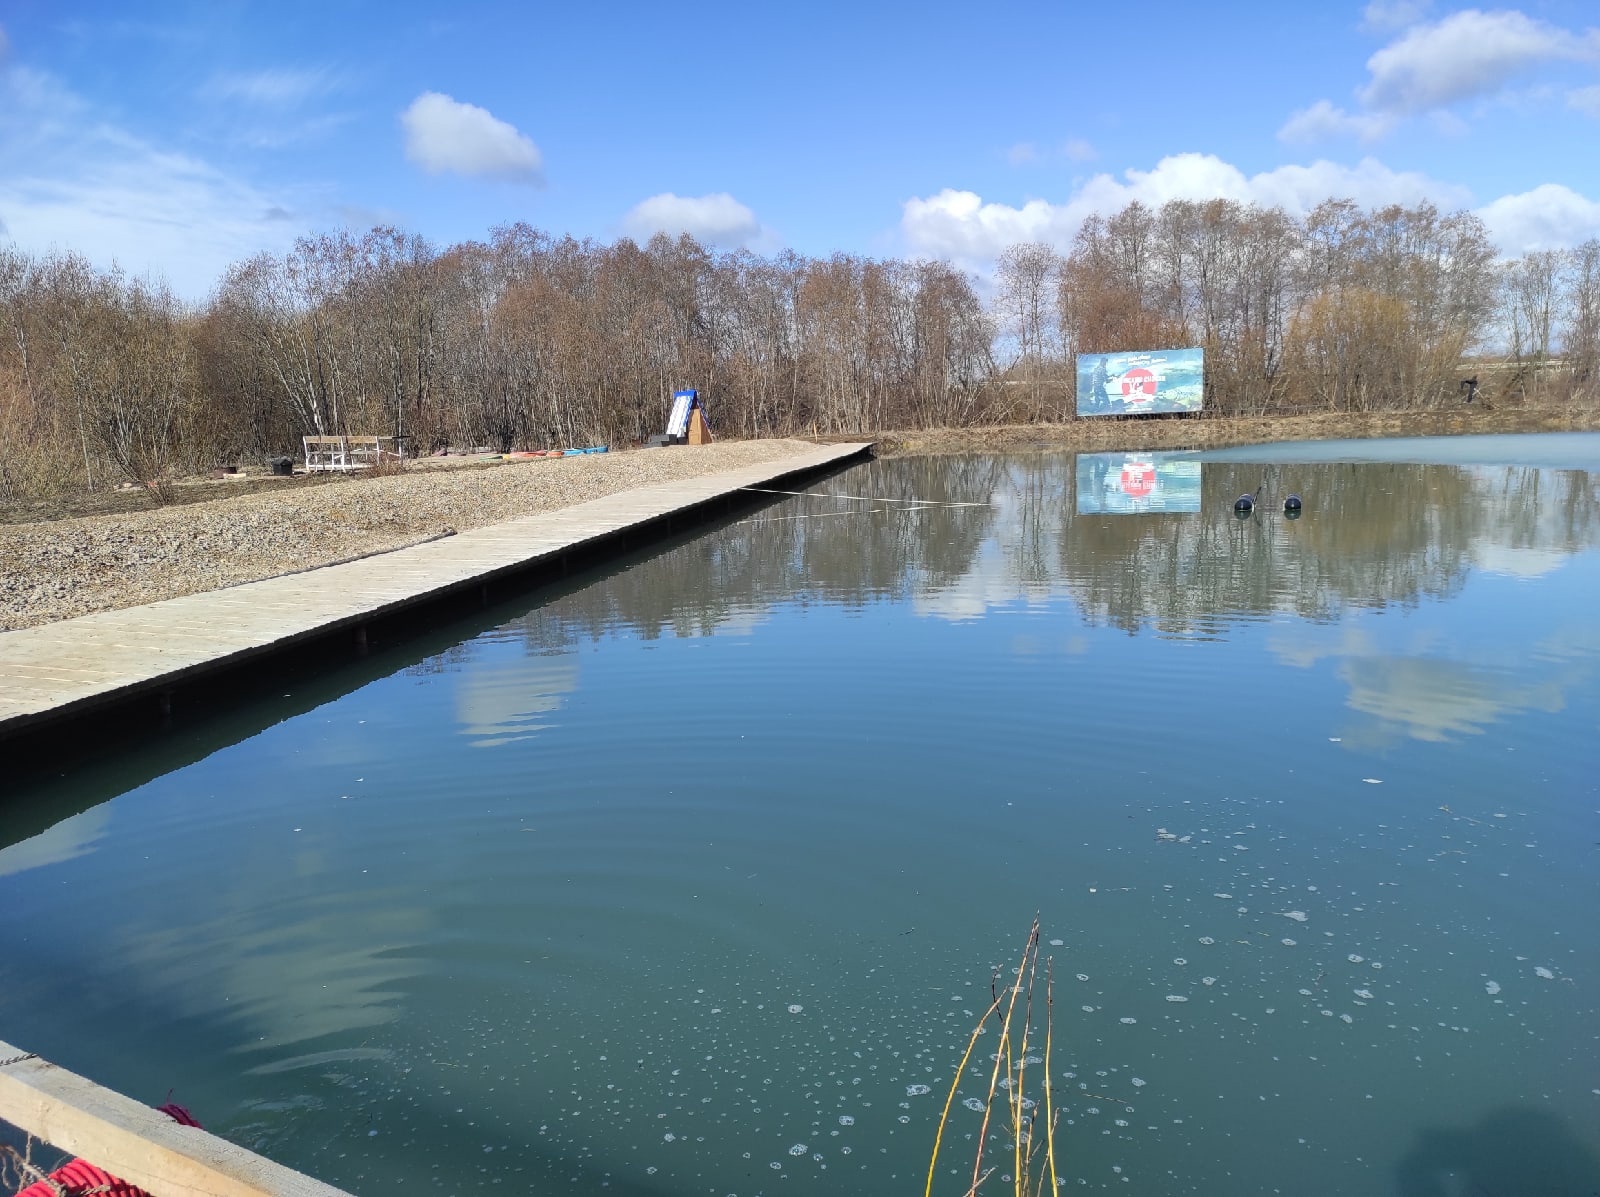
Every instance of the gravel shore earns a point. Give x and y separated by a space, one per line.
72 567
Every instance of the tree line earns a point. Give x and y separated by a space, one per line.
527 340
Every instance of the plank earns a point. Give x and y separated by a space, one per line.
133 1141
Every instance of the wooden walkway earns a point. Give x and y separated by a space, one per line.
58 670
133 1142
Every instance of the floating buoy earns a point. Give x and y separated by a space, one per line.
1245 504
1292 505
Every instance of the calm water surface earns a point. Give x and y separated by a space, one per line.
690 880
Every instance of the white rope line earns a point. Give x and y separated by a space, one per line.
813 494
819 515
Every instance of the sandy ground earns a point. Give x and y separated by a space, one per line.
69 567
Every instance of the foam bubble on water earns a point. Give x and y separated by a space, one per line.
1298 916
1128 1022
974 1104
847 1120
796 1008
1366 994
1346 1018
1207 940
1354 959
1305 993
1540 970
1373 781
1057 943
669 1137
1179 960
1137 1083
1288 943
799 1149
917 1090
1208 980
1176 997
1088 1009
1491 987
1083 976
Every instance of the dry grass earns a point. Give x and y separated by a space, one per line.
1033 1156
1219 431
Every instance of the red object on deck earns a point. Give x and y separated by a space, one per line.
76 1178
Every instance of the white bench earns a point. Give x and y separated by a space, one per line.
347 452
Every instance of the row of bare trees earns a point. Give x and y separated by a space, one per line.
1347 309
526 339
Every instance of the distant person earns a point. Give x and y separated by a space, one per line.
1098 399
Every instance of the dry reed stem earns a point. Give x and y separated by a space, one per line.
1012 1046
1049 1035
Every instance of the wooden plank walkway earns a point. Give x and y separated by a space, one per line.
56 670
133 1142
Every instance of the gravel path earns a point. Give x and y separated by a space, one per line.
73 567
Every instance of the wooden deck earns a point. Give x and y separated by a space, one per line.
134 1142
50 673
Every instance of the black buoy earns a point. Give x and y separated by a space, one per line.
1244 503
1292 503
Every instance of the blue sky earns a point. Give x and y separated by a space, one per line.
177 138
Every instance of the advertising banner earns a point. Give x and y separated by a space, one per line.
1141 383
1137 483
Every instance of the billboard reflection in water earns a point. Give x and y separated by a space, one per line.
1141 383
1136 483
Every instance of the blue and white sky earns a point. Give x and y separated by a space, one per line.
175 138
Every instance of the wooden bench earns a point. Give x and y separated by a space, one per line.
347 452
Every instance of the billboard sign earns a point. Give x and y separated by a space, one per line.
1140 383
1137 483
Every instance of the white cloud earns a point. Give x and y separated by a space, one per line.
85 185
961 226
270 88
1469 53
446 136
1386 15
1324 120
1586 100
1074 149
716 219
1548 217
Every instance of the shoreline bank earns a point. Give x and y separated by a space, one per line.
80 564
1220 431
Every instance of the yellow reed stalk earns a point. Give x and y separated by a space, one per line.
1049 1104
955 1083
1027 968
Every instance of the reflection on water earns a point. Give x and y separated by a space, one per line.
691 879
994 532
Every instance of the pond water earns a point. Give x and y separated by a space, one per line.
690 879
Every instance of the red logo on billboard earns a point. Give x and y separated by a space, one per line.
1138 479
1138 385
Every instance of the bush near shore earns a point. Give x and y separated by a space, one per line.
527 340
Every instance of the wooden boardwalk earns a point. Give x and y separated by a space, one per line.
59 670
134 1142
